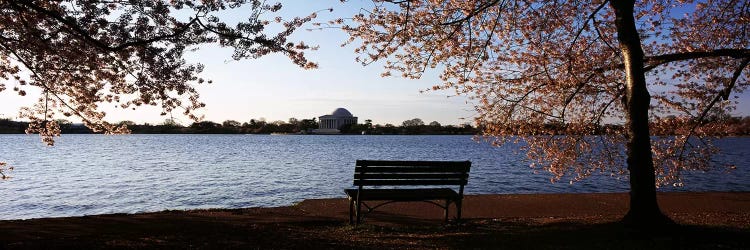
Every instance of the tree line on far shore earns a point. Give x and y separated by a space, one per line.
735 126
260 126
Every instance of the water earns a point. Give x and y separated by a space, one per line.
96 174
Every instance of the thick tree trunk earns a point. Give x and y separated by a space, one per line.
644 209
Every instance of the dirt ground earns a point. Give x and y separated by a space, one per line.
538 221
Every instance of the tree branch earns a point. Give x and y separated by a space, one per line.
472 13
87 37
262 41
723 94
592 16
656 61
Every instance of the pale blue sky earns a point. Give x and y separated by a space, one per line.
273 88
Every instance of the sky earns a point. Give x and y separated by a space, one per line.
273 88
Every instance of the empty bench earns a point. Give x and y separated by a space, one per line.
399 181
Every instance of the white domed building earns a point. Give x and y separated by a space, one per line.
332 123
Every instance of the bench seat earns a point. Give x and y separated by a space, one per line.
401 181
419 194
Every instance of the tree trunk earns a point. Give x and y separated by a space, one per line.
644 210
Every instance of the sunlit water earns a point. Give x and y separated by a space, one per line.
96 174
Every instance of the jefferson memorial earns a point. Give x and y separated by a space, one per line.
332 123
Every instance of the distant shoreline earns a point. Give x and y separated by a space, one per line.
234 127
735 127
292 134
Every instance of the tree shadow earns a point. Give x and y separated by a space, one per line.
575 235
274 229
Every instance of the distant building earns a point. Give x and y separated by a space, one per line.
332 123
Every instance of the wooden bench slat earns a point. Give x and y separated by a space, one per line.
368 182
412 163
414 176
423 169
404 194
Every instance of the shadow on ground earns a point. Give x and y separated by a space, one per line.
536 233
231 229
536 221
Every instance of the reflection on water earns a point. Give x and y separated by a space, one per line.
95 174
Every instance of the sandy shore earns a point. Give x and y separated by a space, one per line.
707 220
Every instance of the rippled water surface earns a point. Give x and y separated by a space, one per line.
96 174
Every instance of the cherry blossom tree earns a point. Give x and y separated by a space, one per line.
83 54
538 69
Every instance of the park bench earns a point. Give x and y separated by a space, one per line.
400 181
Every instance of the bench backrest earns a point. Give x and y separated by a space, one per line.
411 173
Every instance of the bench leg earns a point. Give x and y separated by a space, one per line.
351 211
458 209
359 211
447 206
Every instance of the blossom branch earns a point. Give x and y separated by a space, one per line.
98 43
656 61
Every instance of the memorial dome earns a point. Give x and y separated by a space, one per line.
331 123
341 112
